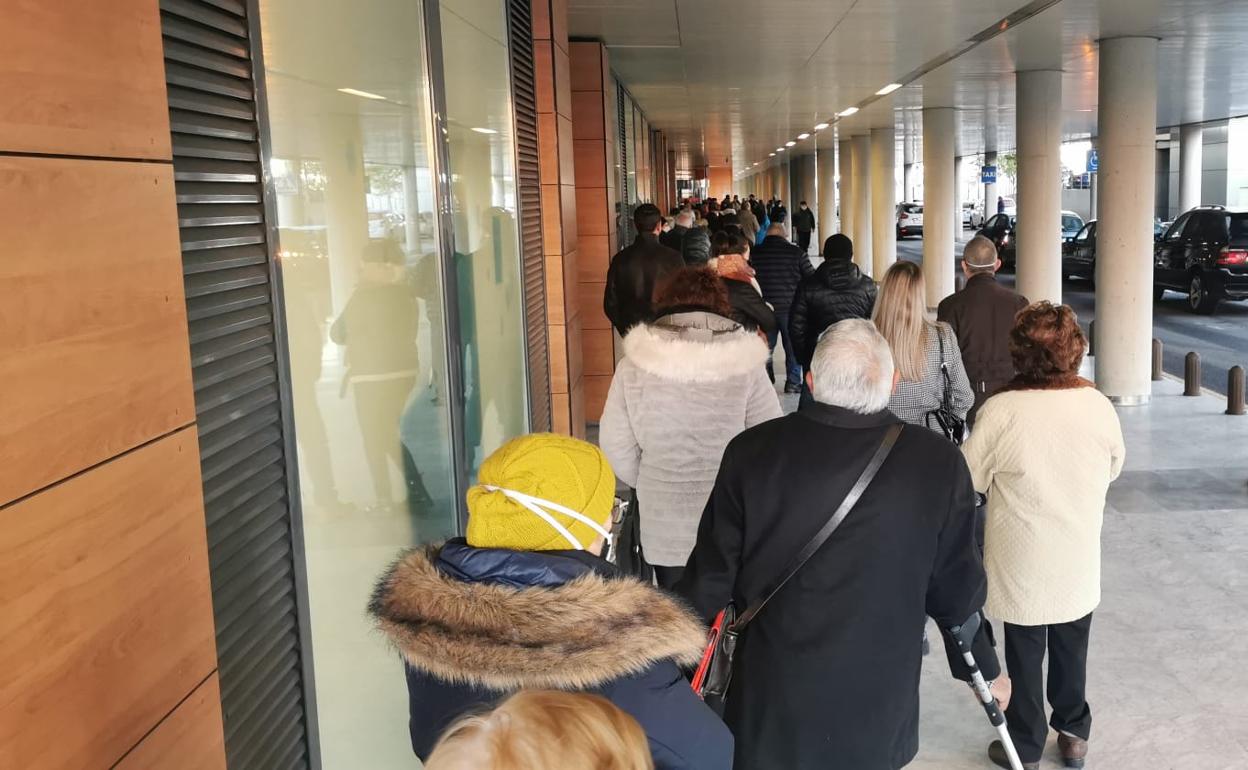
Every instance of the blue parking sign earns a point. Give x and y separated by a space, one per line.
988 175
1094 161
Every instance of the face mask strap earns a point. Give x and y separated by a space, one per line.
537 506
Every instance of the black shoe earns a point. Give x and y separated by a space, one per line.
996 752
791 388
1074 750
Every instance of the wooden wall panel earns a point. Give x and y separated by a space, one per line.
94 354
189 739
83 77
105 608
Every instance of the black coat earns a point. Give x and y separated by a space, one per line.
837 291
827 675
748 307
779 267
982 315
634 272
673 238
804 220
778 213
475 625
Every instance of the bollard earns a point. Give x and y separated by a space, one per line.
1157 351
1091 338
1235 390
1191 375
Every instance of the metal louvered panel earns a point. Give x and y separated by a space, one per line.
236 355
529 201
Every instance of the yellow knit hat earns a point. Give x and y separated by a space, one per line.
563 470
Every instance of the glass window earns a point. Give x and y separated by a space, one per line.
1084 234
481 146
1176 229
360 258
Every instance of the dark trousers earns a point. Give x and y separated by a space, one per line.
793 373
1068 675
667 577
803 240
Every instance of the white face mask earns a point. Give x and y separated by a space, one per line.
537 505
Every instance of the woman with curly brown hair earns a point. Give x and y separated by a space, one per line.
1045 450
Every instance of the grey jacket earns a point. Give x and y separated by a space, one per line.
688 384
912 401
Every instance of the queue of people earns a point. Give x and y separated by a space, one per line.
729 491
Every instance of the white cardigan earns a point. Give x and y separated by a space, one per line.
1045 458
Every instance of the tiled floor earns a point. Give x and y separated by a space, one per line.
1168 684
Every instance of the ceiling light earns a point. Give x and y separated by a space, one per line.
362 94
755 163
821 126
771 155
789 143
779 149
888 89
802 137
845 113
480 130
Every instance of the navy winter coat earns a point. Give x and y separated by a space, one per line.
562 620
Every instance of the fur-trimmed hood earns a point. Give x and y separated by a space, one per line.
695 347
575 635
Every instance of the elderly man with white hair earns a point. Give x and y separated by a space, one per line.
675 237
827 673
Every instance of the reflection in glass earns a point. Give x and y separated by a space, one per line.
349 118
487 258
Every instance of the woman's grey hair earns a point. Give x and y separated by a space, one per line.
853 367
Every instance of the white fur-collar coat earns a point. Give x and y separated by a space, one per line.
688 384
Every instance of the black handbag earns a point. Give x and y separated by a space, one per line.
944 419
714 673
627 553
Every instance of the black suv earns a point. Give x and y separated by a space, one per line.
1000 230
1205 255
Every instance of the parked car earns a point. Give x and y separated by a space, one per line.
1072 223
1000 230
1205 255
1079 253
972 217
909 219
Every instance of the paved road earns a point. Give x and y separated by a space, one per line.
1221 339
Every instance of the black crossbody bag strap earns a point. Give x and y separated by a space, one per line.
821 537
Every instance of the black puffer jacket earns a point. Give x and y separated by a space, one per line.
837 291
634 272
779 267
748 308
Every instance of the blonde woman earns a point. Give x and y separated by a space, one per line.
922 350
543 729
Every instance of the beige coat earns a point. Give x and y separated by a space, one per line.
1045 458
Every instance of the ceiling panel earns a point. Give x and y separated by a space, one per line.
729 79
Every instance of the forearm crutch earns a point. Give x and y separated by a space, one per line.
964 635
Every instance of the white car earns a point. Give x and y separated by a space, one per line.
972 217
909 219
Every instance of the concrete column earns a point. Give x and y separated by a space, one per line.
825 161
863 253
1124 237
1191 165
883 199
907 182
845 157
1038 130
990 189
939 132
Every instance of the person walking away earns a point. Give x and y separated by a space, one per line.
1000 205
1045 450
688 383
780 267
827 674
543 729
672 238
982 315
731 262
524 601
778 212
836 292
804 226
634 271
749 223
922 350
